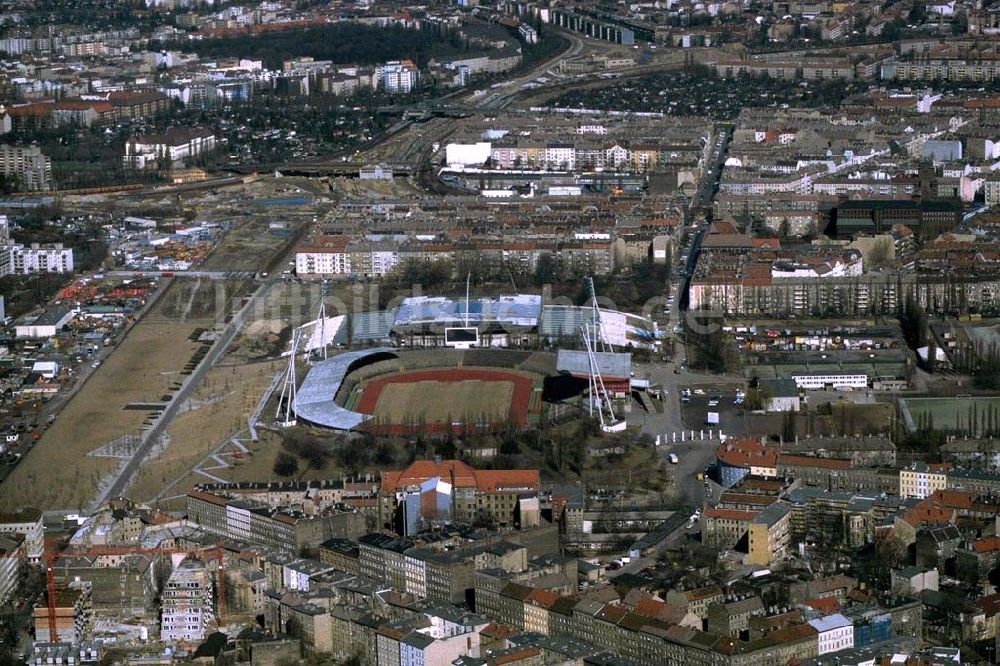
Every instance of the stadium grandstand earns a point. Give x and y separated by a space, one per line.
505 321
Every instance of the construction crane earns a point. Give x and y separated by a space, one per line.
53 553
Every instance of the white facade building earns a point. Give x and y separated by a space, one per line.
318 261
173 146
397 76
818 381
21 260
187 603
834 633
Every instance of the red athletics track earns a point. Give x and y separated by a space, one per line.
518 414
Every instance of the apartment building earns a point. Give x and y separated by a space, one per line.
12 565
260 524
921 480
327 255
20 260
188 605
453 492
27 522
769 535
639 635
397 76
834 633
723 528
122 587
28 165
172 147
695 601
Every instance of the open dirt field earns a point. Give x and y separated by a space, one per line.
220 408
147 366
252 246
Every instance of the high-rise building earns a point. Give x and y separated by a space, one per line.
187 603
28 164
397 76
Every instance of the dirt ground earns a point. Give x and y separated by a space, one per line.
219 408
253 246
146 367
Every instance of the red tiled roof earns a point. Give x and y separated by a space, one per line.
518 655
990 603
35 109
543 598
462 476
746 453
208 497
83 105
986 545
828 605
649 607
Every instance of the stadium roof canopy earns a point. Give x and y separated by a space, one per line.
610 364
314 399
521 310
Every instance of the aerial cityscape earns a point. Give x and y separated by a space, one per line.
523 333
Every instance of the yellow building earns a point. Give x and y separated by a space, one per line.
768 535
921 480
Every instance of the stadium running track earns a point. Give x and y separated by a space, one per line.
517 414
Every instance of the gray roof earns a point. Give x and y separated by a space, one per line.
772 514
609 364
780 388
314 399
520 310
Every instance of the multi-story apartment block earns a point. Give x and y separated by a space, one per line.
467 494
187 603
921 480
328 255
397 76
28 164
723 528
21 260
27 522
122 587
12 564
270 527
834 633
169 148
769 535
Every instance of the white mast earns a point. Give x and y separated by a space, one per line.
468 277
597 389
596 316
286 416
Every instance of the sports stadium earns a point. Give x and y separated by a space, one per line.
390 391
461 365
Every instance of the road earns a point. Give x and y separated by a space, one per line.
693 457
714 162
151 437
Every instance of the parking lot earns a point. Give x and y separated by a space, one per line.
716 398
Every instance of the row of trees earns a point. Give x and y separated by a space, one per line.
342 43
